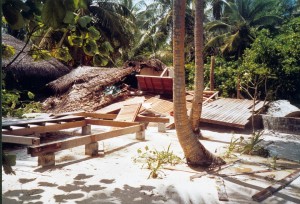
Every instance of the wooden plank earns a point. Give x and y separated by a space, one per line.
265 193
222 123
98 115
117 106
209 98
39 121
82 140
160 106
109 123
20 140
128 113
152 119
222 194
164 72
58 115
47 128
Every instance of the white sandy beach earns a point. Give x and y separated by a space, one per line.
116 179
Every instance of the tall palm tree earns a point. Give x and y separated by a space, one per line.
194 151
199 67
235 31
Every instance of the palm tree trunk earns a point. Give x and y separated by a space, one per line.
194 151
212 73
199 67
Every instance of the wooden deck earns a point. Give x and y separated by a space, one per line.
229 112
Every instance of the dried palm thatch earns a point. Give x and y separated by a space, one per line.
82 88
27 73
155 64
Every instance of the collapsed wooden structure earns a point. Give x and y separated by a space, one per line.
230 112
27 132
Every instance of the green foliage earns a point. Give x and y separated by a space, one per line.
11 12
225 76
53 13
156 159
62 54
90 47
233 146
251 146
13 107
84 21
7 51
99 60
39 54
278 58
190 75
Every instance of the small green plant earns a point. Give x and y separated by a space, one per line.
156 159
251 146
273 162
233 146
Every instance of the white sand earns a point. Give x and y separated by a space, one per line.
116 178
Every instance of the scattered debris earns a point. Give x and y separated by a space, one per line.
222 194
262 195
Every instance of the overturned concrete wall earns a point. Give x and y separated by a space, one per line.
282 124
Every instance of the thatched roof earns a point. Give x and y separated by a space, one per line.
155 64
27 72
82 88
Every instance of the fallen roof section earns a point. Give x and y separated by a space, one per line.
230 112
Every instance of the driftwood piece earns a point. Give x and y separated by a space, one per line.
213 170
265 193
222 194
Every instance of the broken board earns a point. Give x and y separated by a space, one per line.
128 113
115 107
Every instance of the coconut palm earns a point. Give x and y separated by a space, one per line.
132 6
236 29
194 151
199 67
155 23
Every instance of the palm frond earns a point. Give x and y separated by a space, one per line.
266 20
217 26
217 41
260 8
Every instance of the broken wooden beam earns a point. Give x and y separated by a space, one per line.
140 118
98 115
56 146
46 128
42 121
265 193
20 140
109 123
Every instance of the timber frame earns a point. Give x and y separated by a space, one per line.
27 132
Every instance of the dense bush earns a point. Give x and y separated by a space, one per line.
273 57
279 56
